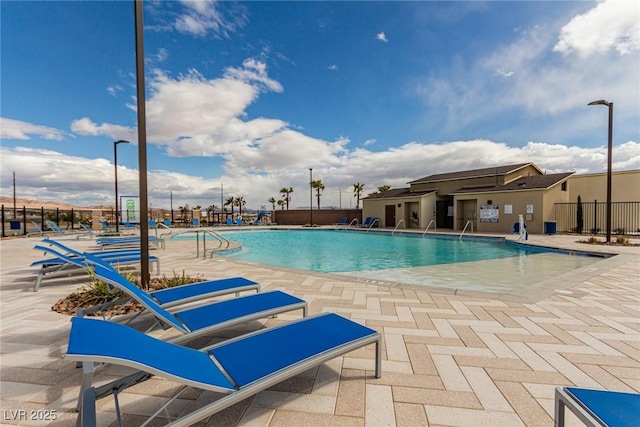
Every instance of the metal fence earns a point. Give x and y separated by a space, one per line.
625 217
29 221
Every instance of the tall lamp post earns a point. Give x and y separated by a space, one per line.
311 196
115 169
609 150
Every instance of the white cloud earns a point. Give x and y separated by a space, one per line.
48 175
382 37
86 127
203 17
611 25
333 67
114 89
17 129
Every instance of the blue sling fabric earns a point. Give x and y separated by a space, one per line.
234 308
614 409
111 275
253 358
200 288
112 341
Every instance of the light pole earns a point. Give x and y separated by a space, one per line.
115 170
311 196
609 150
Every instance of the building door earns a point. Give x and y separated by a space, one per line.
444 214
390 215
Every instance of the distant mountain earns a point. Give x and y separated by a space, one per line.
31 204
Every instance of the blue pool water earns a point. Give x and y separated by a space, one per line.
333 251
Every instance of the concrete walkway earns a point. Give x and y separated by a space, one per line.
448 360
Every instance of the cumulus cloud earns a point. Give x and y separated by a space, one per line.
87 127
382 37
337 167
611 25
333 67
17 129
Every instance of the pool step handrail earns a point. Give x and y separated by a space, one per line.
351 223
465 229
223 243
433 221
375 220
398 225
161 225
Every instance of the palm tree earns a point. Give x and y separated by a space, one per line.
319 186
210 211
286 194
381 189
273 202
240 202
183 211
281 204
357 190
231 201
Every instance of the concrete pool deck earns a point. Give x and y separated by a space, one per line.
465 359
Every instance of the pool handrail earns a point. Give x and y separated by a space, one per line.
435 227
222 241
351 223
398 225
465 228
373 223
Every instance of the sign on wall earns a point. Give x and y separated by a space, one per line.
130 209
489 213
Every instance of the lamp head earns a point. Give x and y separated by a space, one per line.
121 141
600 102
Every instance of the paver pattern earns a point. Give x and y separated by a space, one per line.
448 359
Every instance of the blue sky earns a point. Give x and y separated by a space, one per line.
253 94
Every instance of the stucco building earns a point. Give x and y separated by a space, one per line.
491 199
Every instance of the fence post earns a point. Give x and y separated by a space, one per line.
58 216
71 219
3 235
42 217
595 217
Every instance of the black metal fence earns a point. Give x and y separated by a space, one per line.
26 221
625 217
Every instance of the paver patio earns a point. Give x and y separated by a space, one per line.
467 359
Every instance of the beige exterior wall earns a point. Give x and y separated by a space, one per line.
519 200
423 206
625 187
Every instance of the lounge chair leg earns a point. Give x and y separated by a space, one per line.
378 358
38 281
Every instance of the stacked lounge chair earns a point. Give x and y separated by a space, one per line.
236 368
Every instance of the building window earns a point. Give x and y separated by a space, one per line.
564 186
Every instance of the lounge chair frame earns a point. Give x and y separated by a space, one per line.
235 390
195 321
565 398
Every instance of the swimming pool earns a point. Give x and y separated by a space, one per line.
484 264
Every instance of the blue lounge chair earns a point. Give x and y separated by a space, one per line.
128 242
91 233
167 222
598 408
229 221
193 322
238 368
367 222
195 222
343 221
63 265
